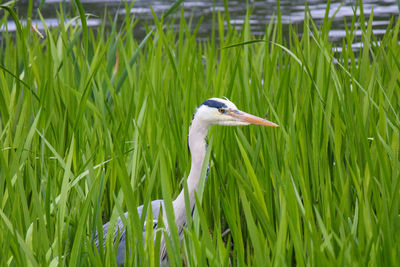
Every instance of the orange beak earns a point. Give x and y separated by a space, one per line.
245 117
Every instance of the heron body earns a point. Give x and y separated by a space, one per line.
214 111
156 206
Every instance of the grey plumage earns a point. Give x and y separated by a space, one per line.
212 111
120 230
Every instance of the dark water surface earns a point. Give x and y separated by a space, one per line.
262 13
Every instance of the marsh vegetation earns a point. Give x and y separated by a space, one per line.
93 125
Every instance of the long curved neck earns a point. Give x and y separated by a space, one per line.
197 145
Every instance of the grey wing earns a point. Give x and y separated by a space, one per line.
121 232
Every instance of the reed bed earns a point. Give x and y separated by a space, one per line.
95 123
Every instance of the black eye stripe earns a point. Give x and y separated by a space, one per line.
214 104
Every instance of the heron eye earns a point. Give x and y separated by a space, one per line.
221 110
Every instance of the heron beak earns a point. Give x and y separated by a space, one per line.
245 117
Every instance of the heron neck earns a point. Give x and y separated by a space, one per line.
198 146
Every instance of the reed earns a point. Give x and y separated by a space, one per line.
94 124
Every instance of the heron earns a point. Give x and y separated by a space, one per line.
213 111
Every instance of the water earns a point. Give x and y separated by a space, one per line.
263 11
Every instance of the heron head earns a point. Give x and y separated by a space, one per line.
224 112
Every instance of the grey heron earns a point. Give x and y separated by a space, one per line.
214 111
